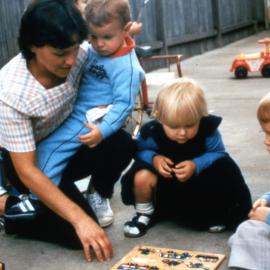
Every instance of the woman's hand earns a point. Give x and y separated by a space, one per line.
88 231
184 170
163 165
93 236
93 138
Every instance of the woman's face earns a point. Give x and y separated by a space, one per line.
54 62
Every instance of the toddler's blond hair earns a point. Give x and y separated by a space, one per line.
263 109
180 103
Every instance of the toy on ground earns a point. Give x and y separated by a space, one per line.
257 62
156 258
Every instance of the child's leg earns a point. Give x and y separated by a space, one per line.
55 151
105 163
108 161
144 186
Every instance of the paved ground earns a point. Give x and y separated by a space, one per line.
236 102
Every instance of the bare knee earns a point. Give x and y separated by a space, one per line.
145 178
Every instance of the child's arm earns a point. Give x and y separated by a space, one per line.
266 196
126 81
261 209
147 149
147 152
214 150
135 28
261 213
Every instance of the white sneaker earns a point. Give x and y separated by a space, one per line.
102 209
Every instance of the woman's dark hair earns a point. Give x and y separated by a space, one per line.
56 23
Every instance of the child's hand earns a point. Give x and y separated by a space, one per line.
184 170
260 202
135 28
260 213
93 138
163 165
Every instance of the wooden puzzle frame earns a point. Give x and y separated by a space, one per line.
157 258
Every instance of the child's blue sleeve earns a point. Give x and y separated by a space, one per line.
146 149
268 219
266 196
214 150
126 81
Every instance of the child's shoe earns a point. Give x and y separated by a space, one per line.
102 208
138 226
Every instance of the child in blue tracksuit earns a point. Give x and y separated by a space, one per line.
111 77
250 244
182 171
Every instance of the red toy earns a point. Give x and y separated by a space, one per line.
257 62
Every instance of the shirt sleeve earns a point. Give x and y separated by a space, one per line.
16 133
214 150
146 149
266 196
126 83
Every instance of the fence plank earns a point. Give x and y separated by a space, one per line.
184 26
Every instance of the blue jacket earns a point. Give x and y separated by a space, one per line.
204 149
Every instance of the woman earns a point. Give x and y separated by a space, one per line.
38 88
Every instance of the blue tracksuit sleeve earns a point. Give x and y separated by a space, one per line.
214 150
125 78
146 149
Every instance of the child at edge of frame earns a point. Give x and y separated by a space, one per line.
182 171
250 244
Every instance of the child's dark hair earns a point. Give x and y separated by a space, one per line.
56 23
101 12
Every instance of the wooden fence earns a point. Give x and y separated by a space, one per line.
188 27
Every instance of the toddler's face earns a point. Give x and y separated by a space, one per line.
266 130
181 134
107 39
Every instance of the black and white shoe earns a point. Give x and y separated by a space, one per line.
24 208
138 226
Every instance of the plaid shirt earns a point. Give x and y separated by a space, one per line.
28 111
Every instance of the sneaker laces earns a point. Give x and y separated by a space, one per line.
99 202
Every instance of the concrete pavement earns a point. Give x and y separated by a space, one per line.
236 101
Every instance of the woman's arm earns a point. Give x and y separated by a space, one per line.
89 233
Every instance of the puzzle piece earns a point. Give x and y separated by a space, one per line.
156 258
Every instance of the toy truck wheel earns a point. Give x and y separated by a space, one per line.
241 72
266 71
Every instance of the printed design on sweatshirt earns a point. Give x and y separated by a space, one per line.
97 70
